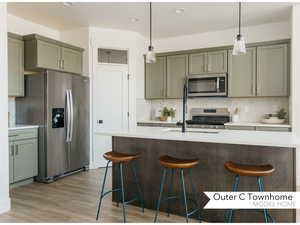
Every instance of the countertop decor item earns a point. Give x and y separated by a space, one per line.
235 115
275 118
168 113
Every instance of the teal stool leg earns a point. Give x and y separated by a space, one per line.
138 186
184 195
160 193
119 195
122 190
103 185
170 189
270 218
235 188
195 194
267 216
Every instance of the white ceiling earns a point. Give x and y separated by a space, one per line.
198 16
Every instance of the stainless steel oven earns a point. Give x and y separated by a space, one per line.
207 85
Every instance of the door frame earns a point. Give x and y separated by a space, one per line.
94 45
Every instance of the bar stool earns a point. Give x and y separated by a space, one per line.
120 159
253 171
172 164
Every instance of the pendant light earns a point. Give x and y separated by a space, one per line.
239 43
150 56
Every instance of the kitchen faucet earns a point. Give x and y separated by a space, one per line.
184 104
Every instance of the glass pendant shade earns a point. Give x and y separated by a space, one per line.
150 56
239 47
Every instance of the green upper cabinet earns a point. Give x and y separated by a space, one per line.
217 62
242 74
177 70
208 62
197 63
15 65
272 70
155 79
46 53
71 60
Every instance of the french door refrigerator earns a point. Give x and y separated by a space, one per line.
59 103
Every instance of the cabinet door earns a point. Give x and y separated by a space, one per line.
71 60
242 74
155 79
48 55
15 67
25 160
177 69
217 62
197 63
11 162
272 70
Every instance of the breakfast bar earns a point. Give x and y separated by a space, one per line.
213 148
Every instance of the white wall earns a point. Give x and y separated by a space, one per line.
264 32
4 174
22 27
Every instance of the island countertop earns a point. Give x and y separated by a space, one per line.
240 137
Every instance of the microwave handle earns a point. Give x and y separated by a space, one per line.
218 84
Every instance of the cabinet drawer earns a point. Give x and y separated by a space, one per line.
15 135
239 128
283 129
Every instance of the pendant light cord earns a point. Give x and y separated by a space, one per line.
150 23
240 6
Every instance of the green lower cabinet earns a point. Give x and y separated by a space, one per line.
11 162
23 155
25 159
239 128
279 129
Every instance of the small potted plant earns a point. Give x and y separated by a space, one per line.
168 114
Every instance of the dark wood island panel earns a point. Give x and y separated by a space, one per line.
210 174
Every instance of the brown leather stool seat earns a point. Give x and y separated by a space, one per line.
119 157
172 162
249 170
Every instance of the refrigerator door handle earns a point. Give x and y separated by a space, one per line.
68 116
72 115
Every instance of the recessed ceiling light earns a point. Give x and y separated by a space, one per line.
133 19
179 11
68 4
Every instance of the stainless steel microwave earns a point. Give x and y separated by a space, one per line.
207 85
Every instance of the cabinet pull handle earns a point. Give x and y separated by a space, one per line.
17 149
63 64
58 63
12 150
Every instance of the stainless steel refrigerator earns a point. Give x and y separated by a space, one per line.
59 103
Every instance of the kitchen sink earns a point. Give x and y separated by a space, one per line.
193 131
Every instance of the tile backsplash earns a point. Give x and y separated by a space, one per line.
250 109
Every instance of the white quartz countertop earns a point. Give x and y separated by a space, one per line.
21 127
257 124
241 137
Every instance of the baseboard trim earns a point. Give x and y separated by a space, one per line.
4 205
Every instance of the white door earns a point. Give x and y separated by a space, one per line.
110 106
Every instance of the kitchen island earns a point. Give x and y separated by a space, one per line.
213 148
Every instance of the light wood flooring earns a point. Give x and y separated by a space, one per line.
73 199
